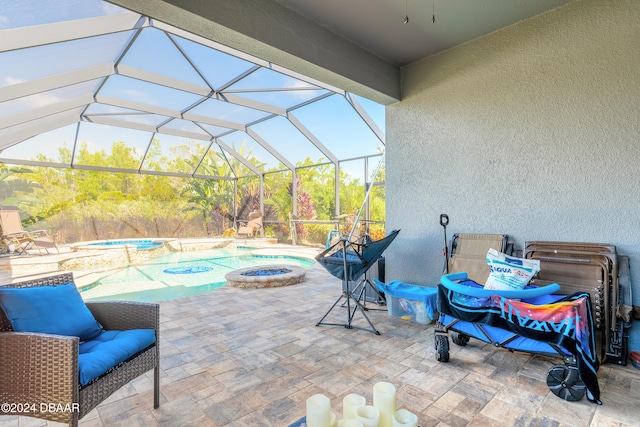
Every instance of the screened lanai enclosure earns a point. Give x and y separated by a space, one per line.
113 124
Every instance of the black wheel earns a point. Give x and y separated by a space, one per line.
565 382
460 339
442 348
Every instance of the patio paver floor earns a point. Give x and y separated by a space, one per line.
251 357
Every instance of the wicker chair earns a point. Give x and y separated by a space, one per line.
43 369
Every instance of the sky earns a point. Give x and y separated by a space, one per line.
331 122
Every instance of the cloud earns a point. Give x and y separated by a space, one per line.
111 9
4 22
9 80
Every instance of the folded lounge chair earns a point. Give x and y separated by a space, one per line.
252 226
469 253
14 239
18 240
598 269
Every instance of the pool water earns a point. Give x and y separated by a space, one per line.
204 271
139 244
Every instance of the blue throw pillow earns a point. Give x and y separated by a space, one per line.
57 310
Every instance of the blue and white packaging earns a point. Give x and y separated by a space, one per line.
507 273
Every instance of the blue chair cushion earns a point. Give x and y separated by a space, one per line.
57 310
109 349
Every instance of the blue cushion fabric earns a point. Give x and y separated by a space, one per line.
110 348
57 310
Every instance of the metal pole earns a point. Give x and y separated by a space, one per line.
366 197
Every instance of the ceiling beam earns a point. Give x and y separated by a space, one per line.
10 136
56 81
365 117
170 82
46 110
311 137
230 150
275 153
133 105
25 37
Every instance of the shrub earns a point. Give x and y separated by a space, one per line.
317 233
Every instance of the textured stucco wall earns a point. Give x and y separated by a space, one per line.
532 131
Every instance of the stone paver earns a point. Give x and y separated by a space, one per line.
251 357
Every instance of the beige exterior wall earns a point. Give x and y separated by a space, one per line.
532 131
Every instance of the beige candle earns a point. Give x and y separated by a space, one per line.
368 415
384 399
350 403
404 418
333 422
318 411
350 423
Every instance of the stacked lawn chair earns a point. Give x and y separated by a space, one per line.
595 268
538 320
469 253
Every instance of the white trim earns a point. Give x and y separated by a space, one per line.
45 111
38 35
44 84
159 79
20 133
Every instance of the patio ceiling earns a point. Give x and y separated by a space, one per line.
357 45
78 76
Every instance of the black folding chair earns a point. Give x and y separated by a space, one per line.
348 261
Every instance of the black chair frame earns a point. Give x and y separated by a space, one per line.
349 261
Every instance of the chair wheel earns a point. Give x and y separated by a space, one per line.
460 339
565 382
442 348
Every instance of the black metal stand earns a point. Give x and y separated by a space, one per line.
364 288
352 303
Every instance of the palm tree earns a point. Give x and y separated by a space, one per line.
15 190
211 197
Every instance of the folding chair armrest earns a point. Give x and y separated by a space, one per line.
15 233
124 315
39 232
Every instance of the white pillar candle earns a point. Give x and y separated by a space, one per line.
404 418
384 399
350 423
368 415
318 411
350 403
334 421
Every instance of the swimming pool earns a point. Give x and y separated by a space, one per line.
178 274
139 244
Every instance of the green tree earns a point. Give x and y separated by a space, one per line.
319 182
213 198
16 187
